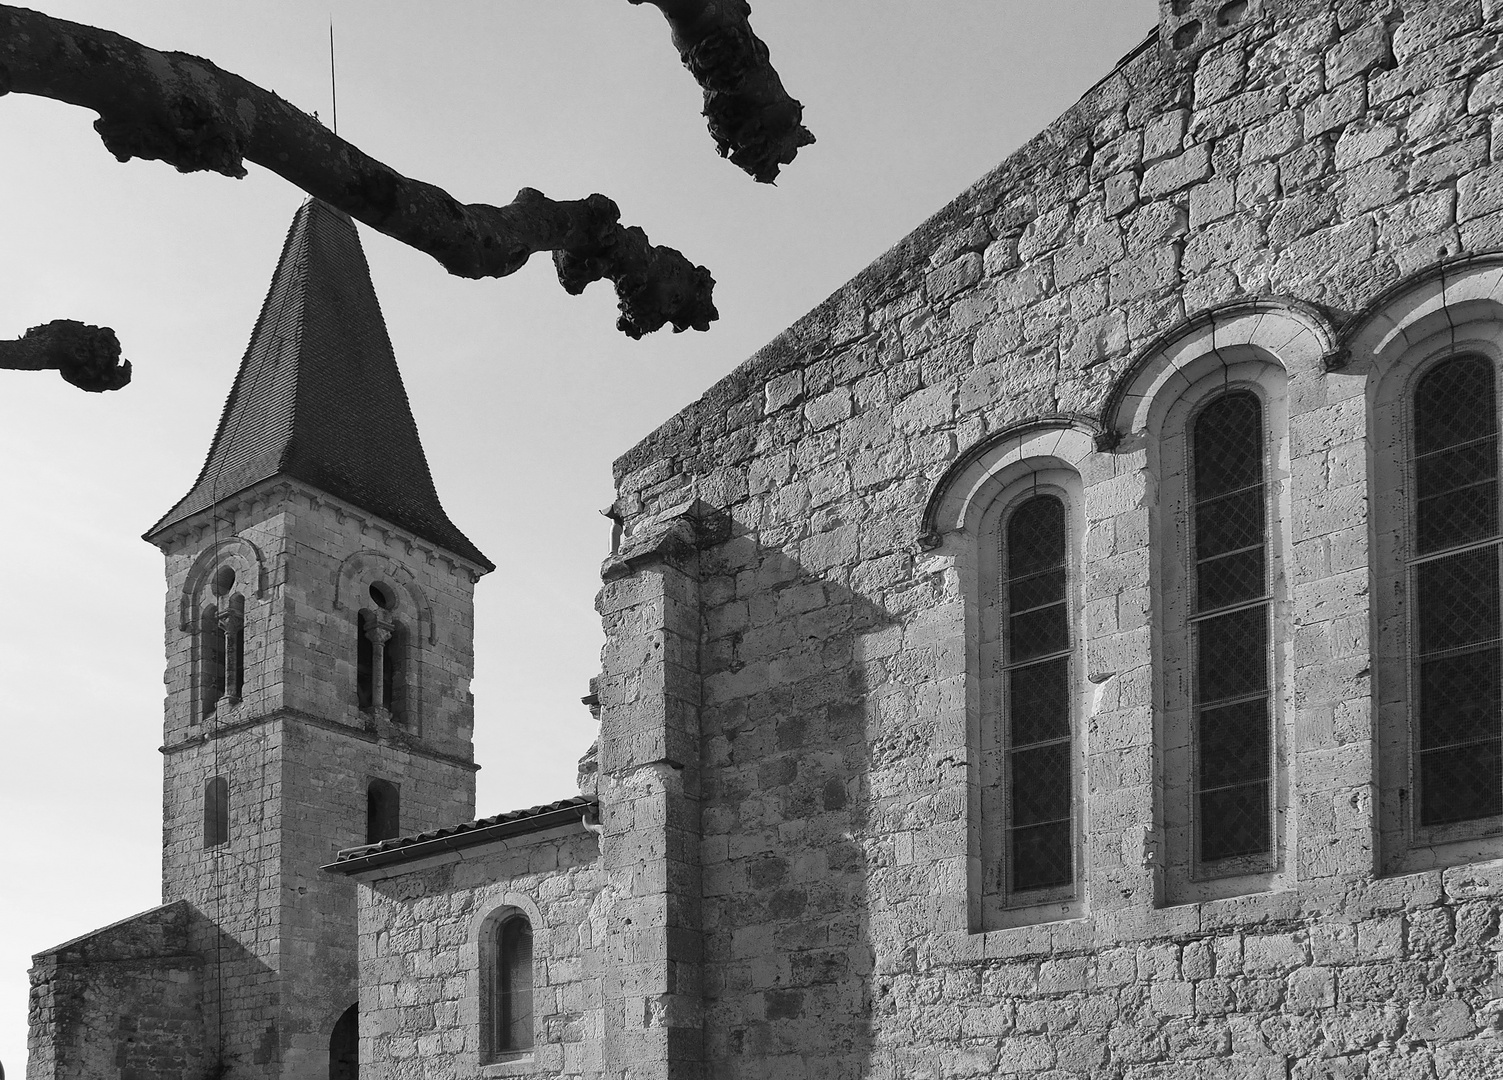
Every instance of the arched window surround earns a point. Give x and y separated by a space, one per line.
1002 903
403 626
486 933
1171 422
967 510
1285 347
1440 316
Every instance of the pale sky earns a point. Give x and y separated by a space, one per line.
523 395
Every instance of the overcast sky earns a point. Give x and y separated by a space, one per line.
523 395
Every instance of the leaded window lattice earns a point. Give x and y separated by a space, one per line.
1040 844
1455 581
1233 724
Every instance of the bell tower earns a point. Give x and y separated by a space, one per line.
319 653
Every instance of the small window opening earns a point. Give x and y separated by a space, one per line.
210 661
509 977
365 656
216 812
1231 13
1185 36
224 581
382 811
382 595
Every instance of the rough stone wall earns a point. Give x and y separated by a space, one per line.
1321 152
420 928
124 1001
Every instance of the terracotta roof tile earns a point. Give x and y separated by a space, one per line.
469 832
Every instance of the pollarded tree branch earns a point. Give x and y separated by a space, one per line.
87 356
195 116
751 117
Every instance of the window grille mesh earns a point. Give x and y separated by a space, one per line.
1459 736
513 1004
1040 846
1233 733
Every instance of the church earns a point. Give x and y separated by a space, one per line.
1073 650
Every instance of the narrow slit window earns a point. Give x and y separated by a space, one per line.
1038 736
383 818
510 976
210 661
365 656
1232 707
1454 574
216 812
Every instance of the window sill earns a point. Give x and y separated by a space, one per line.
520 1064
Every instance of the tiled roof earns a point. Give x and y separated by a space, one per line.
318 397
480 831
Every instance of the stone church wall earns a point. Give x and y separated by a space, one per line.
1322 154
421 926
123 1001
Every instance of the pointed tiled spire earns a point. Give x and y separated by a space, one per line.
318 397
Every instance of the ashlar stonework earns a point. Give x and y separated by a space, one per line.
1072 650
806 799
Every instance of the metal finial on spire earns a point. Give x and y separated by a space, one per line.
333 82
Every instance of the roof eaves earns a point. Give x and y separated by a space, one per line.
469 834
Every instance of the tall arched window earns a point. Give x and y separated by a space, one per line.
1037 720
1456 677
506 972
1233 747
216 812
1220 523
383 818
1029 754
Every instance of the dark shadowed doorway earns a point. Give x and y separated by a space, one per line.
344 1046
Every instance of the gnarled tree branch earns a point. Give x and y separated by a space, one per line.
87 356
195 116
751 117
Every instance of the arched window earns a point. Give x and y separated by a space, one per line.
382 811
1037 716
1220 453
1232 732
1456 700
1029 752
216 812
506 971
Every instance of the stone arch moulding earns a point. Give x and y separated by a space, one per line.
494 907
992 462
361 570
1293 334
1440 297
236 552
